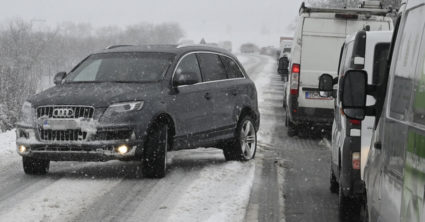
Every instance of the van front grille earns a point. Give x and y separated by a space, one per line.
65 112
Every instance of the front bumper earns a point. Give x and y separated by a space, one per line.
98 146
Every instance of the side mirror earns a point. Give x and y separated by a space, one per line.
283 68
186 78
354 92
326 85
59 77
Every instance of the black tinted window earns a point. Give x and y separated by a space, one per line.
211 66
189 64
380 61
232 68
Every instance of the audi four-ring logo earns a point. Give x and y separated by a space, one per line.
63 113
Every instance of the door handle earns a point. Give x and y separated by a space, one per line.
234 92
207 96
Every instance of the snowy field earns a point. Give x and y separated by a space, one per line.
200 185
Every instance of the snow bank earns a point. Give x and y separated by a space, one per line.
221 193
8 152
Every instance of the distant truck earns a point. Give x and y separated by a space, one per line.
249 48
285 45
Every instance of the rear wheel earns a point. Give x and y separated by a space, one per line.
292 128
244 145
349 208
155 151
334 186
33 166
364 213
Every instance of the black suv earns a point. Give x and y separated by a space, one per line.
137 103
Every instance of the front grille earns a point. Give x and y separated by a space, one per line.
62 135
65 112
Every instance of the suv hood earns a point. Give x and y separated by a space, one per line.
95 94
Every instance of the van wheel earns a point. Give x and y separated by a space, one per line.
334 184
292 129
33 166
244 145
154 162
364 212
349 208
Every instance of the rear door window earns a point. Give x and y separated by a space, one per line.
211 67
419 92
233 70
380 61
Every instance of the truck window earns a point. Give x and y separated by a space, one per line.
380 61
405 65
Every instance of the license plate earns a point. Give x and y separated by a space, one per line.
315 95
60 124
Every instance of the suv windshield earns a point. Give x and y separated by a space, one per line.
122 67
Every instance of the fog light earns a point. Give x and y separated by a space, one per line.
123 149
22 149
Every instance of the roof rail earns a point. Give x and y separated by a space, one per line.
364 11
189 45
116 46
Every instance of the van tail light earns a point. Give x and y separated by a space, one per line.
295 78
355 121
356 161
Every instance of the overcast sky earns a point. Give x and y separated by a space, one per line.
258 21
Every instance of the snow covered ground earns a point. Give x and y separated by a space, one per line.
200 186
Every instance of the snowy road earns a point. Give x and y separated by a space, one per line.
288 180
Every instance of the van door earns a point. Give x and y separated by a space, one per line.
321 43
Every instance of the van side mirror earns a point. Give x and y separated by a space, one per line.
186 78
283 68
59 77
326 85
354 92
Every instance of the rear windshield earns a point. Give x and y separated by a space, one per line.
122 67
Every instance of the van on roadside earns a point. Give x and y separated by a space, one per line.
316 50
394 174
368 51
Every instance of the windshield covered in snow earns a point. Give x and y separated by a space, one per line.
122 67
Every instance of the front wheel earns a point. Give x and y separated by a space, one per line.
244 145
33 166
155 151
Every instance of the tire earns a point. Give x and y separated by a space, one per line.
33 166
292 129
154 161
334 186
244 145
364 212
349 208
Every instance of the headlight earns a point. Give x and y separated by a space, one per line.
27 115
124 107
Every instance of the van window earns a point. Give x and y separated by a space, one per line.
211 67
232 68
419 93
405 65
380 61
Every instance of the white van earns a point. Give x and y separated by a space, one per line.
316 50
351 138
